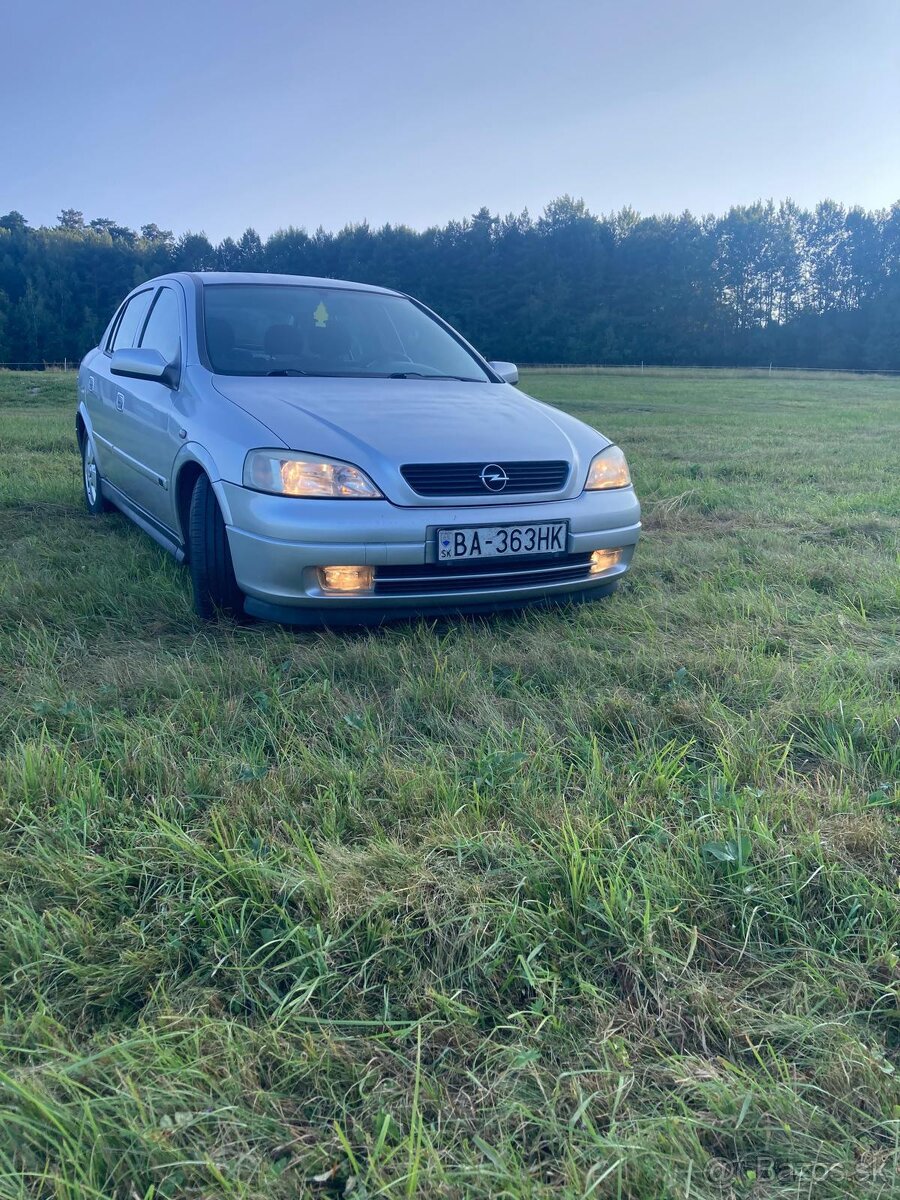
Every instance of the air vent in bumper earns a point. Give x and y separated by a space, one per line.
484 575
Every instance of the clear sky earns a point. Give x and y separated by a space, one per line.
215 116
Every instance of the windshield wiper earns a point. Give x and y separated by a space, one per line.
288 371
422 375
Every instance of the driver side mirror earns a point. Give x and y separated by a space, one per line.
144 363
508 372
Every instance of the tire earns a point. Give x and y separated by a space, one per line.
212 573
91 479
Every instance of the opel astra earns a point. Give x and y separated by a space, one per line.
328 452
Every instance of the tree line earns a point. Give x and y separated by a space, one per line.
764 283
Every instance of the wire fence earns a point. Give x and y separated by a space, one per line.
69 364
659 369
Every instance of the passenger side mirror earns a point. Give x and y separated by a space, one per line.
144 363
508 372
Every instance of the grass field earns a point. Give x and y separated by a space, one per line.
590 903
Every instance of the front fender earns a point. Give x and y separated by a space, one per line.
199 456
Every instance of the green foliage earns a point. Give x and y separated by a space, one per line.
763 283
597 902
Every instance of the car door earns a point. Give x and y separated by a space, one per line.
150 427
106 406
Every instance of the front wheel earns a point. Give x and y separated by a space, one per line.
212 572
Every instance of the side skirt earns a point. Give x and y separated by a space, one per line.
160 534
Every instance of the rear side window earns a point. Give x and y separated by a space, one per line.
131 320
163 329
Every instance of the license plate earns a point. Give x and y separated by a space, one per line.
501 541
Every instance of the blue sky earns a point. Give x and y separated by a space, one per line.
216 116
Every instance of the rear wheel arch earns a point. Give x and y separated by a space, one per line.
91 478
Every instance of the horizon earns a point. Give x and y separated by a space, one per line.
335 231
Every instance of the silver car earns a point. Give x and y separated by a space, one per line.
330 452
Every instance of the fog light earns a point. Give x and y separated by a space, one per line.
602 560
347 579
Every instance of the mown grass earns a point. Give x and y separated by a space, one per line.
590 903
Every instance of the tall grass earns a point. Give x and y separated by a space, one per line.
600 902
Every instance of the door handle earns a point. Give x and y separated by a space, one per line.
120 401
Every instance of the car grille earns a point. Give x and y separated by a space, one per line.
464 479
480 575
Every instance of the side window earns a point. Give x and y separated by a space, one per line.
131 320
163 328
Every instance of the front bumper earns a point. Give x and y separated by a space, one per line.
278 543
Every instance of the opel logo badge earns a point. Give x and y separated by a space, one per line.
494 478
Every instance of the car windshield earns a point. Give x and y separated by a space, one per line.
298 329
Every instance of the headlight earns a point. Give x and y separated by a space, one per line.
283 473
608 470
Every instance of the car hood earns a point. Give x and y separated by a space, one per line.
380 424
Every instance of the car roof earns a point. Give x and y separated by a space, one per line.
207 278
